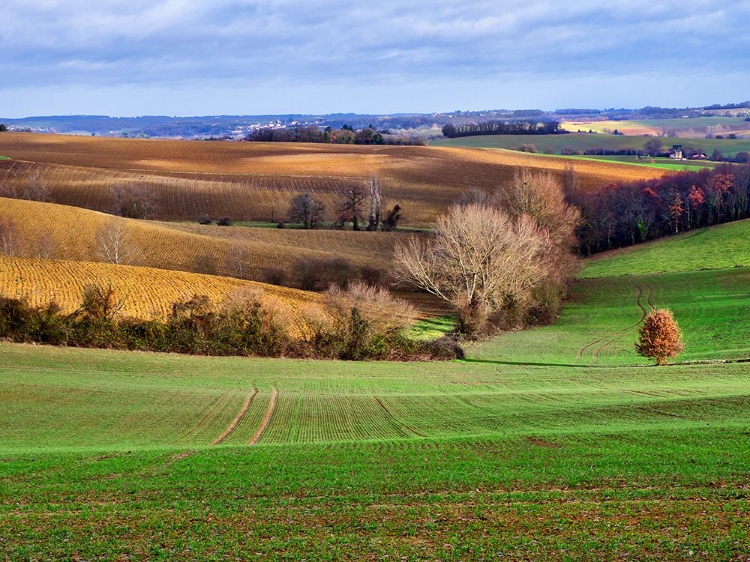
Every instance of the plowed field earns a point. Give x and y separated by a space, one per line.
255 181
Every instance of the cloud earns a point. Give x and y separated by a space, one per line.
246 44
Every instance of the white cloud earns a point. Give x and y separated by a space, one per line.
241 44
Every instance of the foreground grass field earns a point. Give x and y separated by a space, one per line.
110 454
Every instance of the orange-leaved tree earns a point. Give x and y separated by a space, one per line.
660 336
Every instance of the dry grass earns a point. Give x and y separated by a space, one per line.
144 292
255 181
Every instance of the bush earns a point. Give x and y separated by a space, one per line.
361 323
317 274
659 337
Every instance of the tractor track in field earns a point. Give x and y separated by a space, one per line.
238 418
266 419
393 419
197 426
608 339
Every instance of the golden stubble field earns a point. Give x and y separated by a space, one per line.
255 181
144 292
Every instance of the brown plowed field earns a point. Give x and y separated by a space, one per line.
255 181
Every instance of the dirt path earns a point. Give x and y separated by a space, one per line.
266 419
238 418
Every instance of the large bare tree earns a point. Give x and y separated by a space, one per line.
480 260
351 207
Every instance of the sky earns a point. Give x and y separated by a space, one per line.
245 57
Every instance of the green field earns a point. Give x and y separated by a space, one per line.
583 141
692 125
558 443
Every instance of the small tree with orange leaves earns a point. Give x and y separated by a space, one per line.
660 336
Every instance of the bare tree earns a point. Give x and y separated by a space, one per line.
45 246
352 204
376 204
570 181
237 258
306 209
480 260
134 201
114 241
540 196
652 146
8 238
37 189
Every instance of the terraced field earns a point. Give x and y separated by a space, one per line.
255 181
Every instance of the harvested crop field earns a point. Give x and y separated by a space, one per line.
144 292
255 181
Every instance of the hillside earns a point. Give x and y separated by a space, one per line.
70 233
255 181
694 275
718 247
144 292
553 144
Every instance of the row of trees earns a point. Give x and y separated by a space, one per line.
628 213
359 204
345 135
515 127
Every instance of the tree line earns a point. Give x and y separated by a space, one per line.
345 135
515 127
627 213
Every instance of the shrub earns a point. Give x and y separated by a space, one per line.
660 337
317 274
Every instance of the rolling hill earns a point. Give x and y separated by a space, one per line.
144 292
255 181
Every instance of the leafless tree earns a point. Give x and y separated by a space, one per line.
9 244
114 241
570 180
306 209
352 204
45 246
540 196
237 258
37 189
135 201
376 204
480 260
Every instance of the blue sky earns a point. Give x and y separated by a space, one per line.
200 57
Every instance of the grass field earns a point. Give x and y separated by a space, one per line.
555 444
693 274
583 141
